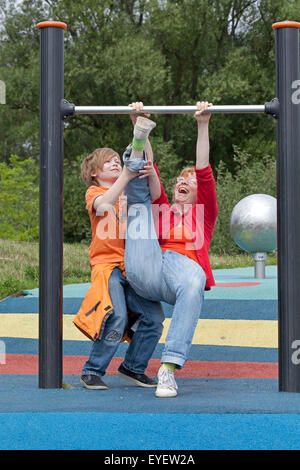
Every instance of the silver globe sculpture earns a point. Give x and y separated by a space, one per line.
253 227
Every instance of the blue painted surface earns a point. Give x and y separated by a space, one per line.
208 413
131 431
214 309
205 395
197 353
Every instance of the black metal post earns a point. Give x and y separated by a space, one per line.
288 204
51 204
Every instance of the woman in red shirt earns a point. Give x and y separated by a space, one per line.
170 263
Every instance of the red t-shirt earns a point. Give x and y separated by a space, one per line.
178 240
198 222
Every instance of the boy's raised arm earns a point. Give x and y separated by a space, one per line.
105 202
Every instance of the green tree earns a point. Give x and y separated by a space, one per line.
161 52
249 178
76 219
19 211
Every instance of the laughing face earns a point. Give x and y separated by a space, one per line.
186 189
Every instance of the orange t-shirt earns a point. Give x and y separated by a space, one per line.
108 234
177 241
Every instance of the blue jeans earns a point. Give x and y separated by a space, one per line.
145 338
161 276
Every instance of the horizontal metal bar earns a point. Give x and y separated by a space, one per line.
168 109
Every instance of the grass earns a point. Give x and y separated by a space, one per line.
19 265
241 260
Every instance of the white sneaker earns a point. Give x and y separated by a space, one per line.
143 127
166 387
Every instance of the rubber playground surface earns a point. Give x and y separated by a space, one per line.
228 391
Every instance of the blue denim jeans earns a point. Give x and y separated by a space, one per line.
145 338
166 276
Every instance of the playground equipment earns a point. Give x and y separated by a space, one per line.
285 108
253 226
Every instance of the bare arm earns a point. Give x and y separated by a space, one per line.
154 183
202 146
106 201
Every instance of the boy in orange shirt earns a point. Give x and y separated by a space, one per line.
103 315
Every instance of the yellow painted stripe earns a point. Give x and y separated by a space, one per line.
20 325
244 333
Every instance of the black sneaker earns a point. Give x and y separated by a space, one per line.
93 382
140 379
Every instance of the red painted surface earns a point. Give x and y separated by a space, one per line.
72 365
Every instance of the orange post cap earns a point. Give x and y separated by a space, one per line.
286 24
52 24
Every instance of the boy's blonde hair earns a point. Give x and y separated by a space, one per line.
94 162
185 173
